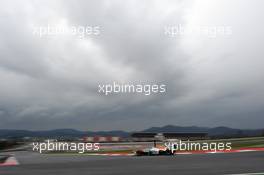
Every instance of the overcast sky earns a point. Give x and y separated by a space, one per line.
52 82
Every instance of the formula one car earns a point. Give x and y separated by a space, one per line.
163 137
154 151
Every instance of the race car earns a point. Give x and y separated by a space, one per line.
154 151
163 138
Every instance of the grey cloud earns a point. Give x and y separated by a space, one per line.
51 82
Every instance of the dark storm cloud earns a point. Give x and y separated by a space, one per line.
51 81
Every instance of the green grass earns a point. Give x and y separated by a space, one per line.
251 142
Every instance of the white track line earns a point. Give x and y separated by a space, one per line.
247 174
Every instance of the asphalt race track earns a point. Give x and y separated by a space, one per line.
231 163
